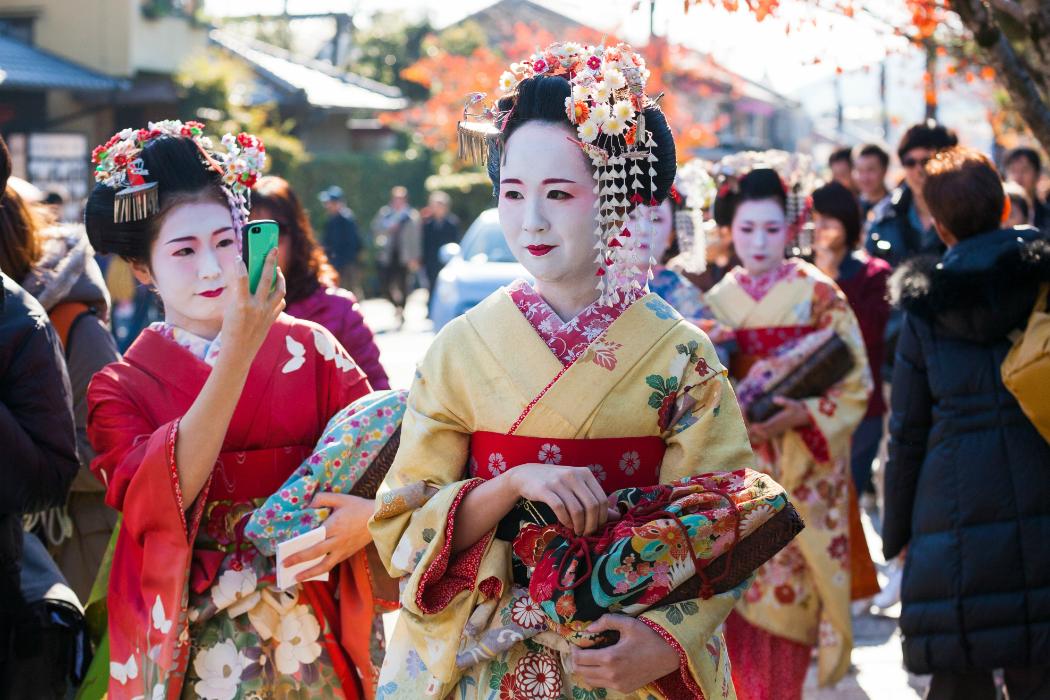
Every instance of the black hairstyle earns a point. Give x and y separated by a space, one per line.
844 154
759 184
178 167
542 98
834 200
873 149
928 134
5 166
1029 154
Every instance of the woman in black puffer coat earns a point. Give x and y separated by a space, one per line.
968 478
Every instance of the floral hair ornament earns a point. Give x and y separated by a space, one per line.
696 191
118 164
607 106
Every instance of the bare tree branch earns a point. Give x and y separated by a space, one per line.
1011 71
1037 25
1009 7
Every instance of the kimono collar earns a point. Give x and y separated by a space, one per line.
569 339
759 285
207 351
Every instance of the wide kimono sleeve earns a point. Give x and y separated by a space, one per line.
705 433
416 509
836 414
340 379
136 460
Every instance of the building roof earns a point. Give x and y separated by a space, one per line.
25 67
320 84
500 20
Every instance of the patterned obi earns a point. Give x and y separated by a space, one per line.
241 481
617 463
755 344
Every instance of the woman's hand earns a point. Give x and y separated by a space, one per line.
248 316
346 533
640 657
572 493
792 415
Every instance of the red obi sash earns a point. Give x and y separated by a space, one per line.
617 463
755 344
763 341
251 474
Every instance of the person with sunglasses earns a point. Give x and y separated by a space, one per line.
901 227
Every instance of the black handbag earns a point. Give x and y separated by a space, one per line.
824 368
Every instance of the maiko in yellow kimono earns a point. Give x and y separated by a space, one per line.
803 593
467 630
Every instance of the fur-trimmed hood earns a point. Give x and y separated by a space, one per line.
67 271
981 289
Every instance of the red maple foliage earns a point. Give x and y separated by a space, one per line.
450 78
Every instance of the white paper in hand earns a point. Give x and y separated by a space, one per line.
286 574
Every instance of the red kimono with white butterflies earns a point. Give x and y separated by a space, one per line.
300 377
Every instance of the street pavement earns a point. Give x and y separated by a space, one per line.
877 672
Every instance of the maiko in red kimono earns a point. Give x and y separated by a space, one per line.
193 610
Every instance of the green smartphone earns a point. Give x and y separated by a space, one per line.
260 238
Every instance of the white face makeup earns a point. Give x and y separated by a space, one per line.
658 224
547 207
195 243
760 235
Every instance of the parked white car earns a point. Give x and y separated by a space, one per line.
474 268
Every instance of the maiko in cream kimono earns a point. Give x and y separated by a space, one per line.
464 630
803 593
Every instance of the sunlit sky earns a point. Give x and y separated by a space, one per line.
760 51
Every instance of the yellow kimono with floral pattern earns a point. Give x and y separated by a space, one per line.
481 374
803 593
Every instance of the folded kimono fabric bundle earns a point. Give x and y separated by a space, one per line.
673 542
352 457
801 369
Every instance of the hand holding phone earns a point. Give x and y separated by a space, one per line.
260 237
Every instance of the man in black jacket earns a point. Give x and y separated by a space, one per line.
900 227
968 475
38 455
440 226
341 239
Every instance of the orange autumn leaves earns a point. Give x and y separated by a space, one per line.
451 77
